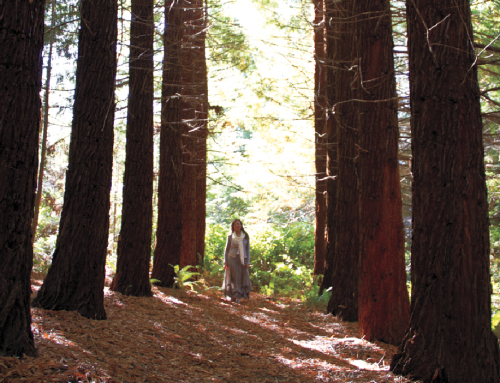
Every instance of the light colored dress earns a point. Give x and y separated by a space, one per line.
237 283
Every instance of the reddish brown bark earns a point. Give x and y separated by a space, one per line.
321 139
134 246
193 127
331 130
383 297
344 299
21 39
202 116
75 280
169 228
449 338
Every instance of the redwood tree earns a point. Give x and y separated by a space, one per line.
383 297
320 135
331 28
449 338
344 299
134 245
193 127
21 42
202 132
169 228
75 280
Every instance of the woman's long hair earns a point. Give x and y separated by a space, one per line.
242 228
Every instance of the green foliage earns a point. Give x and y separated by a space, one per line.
282 257
215 243
226 42
42 253
183 278
225 203
311 297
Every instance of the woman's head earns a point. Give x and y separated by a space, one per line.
239 225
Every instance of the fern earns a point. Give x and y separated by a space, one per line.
183 278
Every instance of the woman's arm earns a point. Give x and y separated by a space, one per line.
247 251
226 251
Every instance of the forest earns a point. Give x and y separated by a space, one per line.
357 141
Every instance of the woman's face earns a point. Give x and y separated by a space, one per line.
237 226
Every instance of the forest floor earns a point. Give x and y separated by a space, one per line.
198 337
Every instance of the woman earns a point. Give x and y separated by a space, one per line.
237 283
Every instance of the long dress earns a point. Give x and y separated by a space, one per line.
237 283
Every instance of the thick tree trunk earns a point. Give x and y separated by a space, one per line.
21 42
450 337
193 126
332 140
43 154
383 297
75 280
134 246
202 116
320 141
169 228
344 299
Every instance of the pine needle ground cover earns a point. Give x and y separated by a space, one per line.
198 337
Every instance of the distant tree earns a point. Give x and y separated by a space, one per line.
383 297
167 252
320 134
134 245
344 298
21 42
449 338
75 280
43 154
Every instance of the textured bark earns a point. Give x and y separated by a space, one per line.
320 136
75 280
383 298
332 144
201 194
169 228
449 338
344 299
21 42
202 116
193 123
134 245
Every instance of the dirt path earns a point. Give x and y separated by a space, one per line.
192 337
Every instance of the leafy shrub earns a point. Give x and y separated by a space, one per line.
215 244
43 249
282 258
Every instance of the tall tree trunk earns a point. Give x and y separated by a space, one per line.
169 228
43 154
344 299
75 280
383 298
202 116
450 337
332 139
320 135
21 42
134 245
193 125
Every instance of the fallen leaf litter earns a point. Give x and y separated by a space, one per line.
198 337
